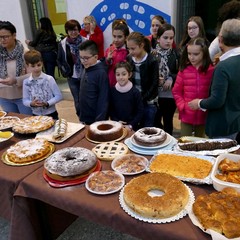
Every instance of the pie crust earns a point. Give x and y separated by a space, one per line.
33 124
28 150
110 150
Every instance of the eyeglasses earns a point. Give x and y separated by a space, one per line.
73 30
85 59
192 28
5 37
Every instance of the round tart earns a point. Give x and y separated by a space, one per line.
110 150
28 150
33 124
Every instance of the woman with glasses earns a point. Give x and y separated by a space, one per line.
12 70
69 60
194 28
93 32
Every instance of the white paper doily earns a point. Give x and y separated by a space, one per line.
180 215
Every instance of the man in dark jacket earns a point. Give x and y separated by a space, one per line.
223 104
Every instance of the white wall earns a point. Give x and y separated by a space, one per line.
139 12
15 11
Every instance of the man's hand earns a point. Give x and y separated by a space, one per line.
194 104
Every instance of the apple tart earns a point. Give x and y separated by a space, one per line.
28 150
33 124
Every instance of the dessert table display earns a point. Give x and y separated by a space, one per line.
102 203
103 209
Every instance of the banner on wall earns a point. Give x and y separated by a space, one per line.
138 14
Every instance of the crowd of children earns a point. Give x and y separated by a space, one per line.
138 80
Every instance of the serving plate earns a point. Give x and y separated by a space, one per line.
129 164
72 128
167 141
146 151
60 184
105 187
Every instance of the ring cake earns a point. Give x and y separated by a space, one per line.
70 163
33 124
28 150
150 136
175 198
105 131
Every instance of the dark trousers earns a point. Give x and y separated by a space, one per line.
49 62
165 113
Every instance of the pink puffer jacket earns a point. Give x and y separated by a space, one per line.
191 84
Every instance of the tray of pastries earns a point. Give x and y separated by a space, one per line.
129 164
218 214
185 166
105 182
28 152
212 147
8 122
226 172
33 124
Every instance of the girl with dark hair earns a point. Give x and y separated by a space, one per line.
45 42
117 51
145 74
125 100
68 59
194 28
193 81
168 58
12 70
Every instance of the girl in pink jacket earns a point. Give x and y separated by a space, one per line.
117 51
193 81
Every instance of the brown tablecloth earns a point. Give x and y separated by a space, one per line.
11 176
105 209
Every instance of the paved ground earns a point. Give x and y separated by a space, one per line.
81 229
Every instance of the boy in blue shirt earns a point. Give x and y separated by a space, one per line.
94 87
40 91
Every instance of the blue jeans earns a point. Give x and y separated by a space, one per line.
49 62
14 105
74 85
149 114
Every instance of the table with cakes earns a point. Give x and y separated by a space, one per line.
145 183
